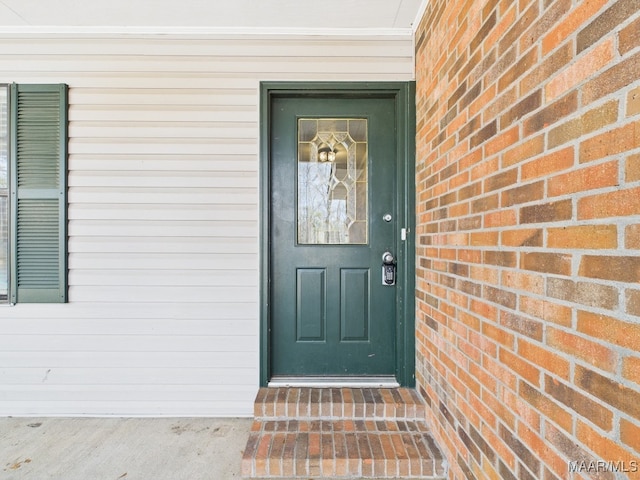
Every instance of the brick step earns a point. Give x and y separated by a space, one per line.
339 403
341 433
342 449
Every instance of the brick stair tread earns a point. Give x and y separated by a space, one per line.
312 403
286 449
341 433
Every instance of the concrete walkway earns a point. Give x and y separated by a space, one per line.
122 449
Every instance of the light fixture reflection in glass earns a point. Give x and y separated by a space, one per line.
326 154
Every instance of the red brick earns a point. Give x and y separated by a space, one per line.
501 180
583 237
591 352
610 143
552 458
520 109
631 369
544 358
523 452
525 237
548 164
590 178
545 70
630 434
478 239
547 406
593 120
526 150
551 114
523 369
585 293
498 334
629 37
525 326
633 102
619 203
523 281
546 310
632 168
529 14
610 391
581 404
502 141
633 302
605 23
580 70
620 75
545 262
570 24
554 11
612 330
500 258
547 212
484 134
521 66
605 448
618 268
497 406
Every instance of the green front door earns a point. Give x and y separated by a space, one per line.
334 213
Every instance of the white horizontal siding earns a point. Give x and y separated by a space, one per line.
164 227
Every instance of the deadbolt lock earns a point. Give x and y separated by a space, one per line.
388 269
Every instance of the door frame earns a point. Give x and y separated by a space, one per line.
403 94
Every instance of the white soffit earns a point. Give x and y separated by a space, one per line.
341 17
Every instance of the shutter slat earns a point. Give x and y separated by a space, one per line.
39 150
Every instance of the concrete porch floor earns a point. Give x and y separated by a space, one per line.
122 448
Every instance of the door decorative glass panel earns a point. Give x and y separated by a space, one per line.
332 181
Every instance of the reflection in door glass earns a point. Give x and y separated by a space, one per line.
332 181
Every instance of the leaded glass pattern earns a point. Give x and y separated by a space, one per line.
332 181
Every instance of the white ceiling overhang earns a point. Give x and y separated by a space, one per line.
299 17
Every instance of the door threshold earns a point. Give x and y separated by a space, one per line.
328 381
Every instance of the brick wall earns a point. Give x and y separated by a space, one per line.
528 268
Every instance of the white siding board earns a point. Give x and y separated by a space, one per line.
234 361
162 229
154 277
113 376
174 113
165 245
126 343
220 196
180 261
159 163
156 179
92 211
227 130
163 317
148 294
164 96
166 146
131 326
257 68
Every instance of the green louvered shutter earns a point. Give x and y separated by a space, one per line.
38 193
